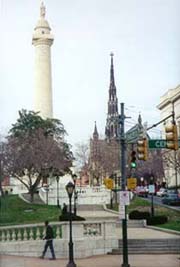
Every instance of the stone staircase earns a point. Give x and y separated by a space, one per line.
150 246
90 207
132 224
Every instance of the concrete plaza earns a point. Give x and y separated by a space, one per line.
168 260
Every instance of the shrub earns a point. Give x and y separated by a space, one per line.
65 217
139 215
157 220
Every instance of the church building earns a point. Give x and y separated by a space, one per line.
104 160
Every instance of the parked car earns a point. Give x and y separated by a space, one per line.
142 191
162 192
171 199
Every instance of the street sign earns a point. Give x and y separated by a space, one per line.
131 183
158 143
151 188
133 134
122 212
124 198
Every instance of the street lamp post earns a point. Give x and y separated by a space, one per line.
123 177
57 179
74 176
46 188
70 189
152 194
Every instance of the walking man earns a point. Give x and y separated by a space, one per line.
49 241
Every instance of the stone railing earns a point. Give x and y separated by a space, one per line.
89 237
60 229
27 232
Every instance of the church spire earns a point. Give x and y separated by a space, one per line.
95 134
111 123
112 71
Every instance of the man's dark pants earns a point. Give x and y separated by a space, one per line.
49 243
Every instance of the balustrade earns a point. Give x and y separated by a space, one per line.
92 229
27 232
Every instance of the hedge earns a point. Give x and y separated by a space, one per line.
157 220
139 215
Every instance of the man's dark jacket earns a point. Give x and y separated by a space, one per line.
49 233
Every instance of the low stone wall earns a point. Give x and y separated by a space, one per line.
86 195
89 238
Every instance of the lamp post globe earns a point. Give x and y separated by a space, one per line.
70 189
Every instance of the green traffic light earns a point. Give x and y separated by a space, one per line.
133 164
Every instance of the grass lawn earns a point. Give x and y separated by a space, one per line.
14 210
173 216
141 204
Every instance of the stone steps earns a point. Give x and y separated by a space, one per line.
150 246
90 207
133 224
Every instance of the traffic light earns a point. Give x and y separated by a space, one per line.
142 149
171 136
133 159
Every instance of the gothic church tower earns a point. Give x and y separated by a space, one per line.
111 130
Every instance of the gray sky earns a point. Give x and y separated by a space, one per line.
143 34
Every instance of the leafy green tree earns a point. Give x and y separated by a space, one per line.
29 121
36 148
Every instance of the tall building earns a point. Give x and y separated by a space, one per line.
104 157
42 40
170 102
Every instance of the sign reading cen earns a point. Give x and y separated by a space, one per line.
157 143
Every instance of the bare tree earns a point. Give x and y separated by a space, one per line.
35 148
81 154
35 156
153 167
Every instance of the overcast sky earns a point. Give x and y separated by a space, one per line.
143 34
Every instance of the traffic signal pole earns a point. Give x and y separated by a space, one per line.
123 178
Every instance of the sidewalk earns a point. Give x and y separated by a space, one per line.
96 261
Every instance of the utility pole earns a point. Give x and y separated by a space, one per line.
123 178
175 152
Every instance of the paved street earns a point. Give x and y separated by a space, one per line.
96 261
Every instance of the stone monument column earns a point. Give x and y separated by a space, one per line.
42 41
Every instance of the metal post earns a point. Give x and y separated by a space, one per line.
175 168
123 177
116 188
75 202
57 179
175 155
47 189
71 262
111 199
152 205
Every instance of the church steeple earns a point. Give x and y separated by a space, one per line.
112 83
113 101
111 130
95 134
